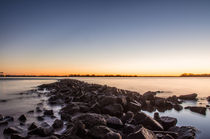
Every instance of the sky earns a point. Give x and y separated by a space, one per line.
104 37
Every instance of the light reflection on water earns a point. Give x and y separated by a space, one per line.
9 89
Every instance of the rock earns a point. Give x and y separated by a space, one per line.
113 109
17 136
48 112
128 128
38 109
143 133
8 118
32 126
128 117
57 124
188 97
208 98
177 107
99 132
22 118
134 106
167 137
40 118
197 109
164 133
90 119
42 132
10 130
107 100
114 122
31 111
149 95
147 121
3 123
1 117
184 132
167 122
112 135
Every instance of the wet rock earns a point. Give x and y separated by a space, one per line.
31 111
147 121
177 107
10 130
128 128
113 109
90 119
99 131
167 122
48 112
38 109
149 95
1 117
57 124
32 126
9 118
45 124
197 109
17 136
40 118
112 135
184 132
3 100
3 123
128 117
114 122
188 97
107 100
143 133
22 118
134 106
42 132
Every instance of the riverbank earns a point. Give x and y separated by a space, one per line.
97 111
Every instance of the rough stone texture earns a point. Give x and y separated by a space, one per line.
143 133
188 97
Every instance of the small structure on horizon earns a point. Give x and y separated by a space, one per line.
2 74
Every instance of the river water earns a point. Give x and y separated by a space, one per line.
15 105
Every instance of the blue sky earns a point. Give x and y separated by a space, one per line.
105 37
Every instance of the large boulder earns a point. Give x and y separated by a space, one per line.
42 131
168 122
114 122
113 109
57 124
189 96
11 130
149 95
184 132
99 132
197 109
90 119
112 135
146 121
127 117
134 106
143 133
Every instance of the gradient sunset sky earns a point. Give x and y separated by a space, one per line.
105 37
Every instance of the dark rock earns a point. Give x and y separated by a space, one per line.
3 123
107 100
184 132
167 122
57 124
40 118
208 98
17 136
9 118
114 122
177 107
143 133
48 112
3 100
112 135
42 132
168 137
10 130
31 111
188 97
22 118
164 133
1 117
90 119
128 117
113 109
32 126
134 106
45 124
38 109
128 128
99 132
197 109
149 95
147 121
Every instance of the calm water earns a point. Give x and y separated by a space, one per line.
10 87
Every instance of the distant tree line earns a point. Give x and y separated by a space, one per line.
194 75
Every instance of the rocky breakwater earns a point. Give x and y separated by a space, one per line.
92 111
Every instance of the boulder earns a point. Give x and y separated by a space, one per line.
128 117
48 112
90 119
99 132
184 132
1 117
112 135
57 124
197 109
32 126
143 133
42 131
113 109
107 100
134 106
17 136
208 98
149 95
10 130
114 122
22 118
147 121
167 122
178 107
189 97
128 128
3 123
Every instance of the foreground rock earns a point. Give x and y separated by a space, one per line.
143 133
189 97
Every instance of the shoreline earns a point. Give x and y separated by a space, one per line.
110 105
